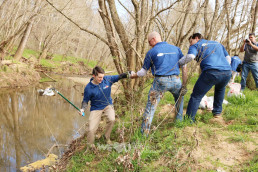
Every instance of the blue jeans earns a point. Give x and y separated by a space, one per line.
205 82
159 87
246 67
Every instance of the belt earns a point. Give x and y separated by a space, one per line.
164 75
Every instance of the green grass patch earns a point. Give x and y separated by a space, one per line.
47 63
5 68
74 60
239 138
27 53
78 161
45 79
252 165
242 128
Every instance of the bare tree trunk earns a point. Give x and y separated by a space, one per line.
206 20
255 17
227 3
184 22
213 21
43 54
130 56
23 42
110 35
6 42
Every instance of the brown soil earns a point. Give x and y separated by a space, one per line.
27 72
217 152
17 75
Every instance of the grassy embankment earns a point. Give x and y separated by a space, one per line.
229 145
19 73
204 146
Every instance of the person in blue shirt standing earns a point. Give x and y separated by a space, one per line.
216 70
163 60
235 62
98 92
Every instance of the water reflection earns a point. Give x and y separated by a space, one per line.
31 124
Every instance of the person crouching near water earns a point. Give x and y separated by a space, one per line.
98 92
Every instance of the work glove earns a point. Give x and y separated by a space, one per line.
131 73
81 112
239 68
183 90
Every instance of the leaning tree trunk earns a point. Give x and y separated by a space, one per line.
43 54
23 42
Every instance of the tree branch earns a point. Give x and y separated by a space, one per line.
164 9
76 24
126 9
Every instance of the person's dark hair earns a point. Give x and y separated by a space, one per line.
236 55
198 35
251 34
96 70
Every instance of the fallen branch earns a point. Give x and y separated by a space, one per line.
50 160
48 76
52 147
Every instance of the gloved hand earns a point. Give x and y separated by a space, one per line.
131 73
183 90
239 68
81 112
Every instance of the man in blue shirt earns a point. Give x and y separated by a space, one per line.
216 70
163 60
98 92
250 47
235 62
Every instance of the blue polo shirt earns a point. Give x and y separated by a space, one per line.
163 59
100 95
211 53
235 61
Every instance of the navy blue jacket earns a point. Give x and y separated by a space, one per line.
100 95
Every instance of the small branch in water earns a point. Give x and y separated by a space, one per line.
52 147
48 76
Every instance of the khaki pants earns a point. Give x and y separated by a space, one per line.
94 120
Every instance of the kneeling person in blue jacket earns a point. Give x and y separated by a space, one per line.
98 92
235 62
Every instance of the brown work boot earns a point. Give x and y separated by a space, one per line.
217 115
218 119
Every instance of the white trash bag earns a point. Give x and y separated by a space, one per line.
207 102
47 92
234 90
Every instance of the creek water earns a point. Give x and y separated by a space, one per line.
31 124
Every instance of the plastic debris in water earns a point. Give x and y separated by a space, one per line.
46 92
